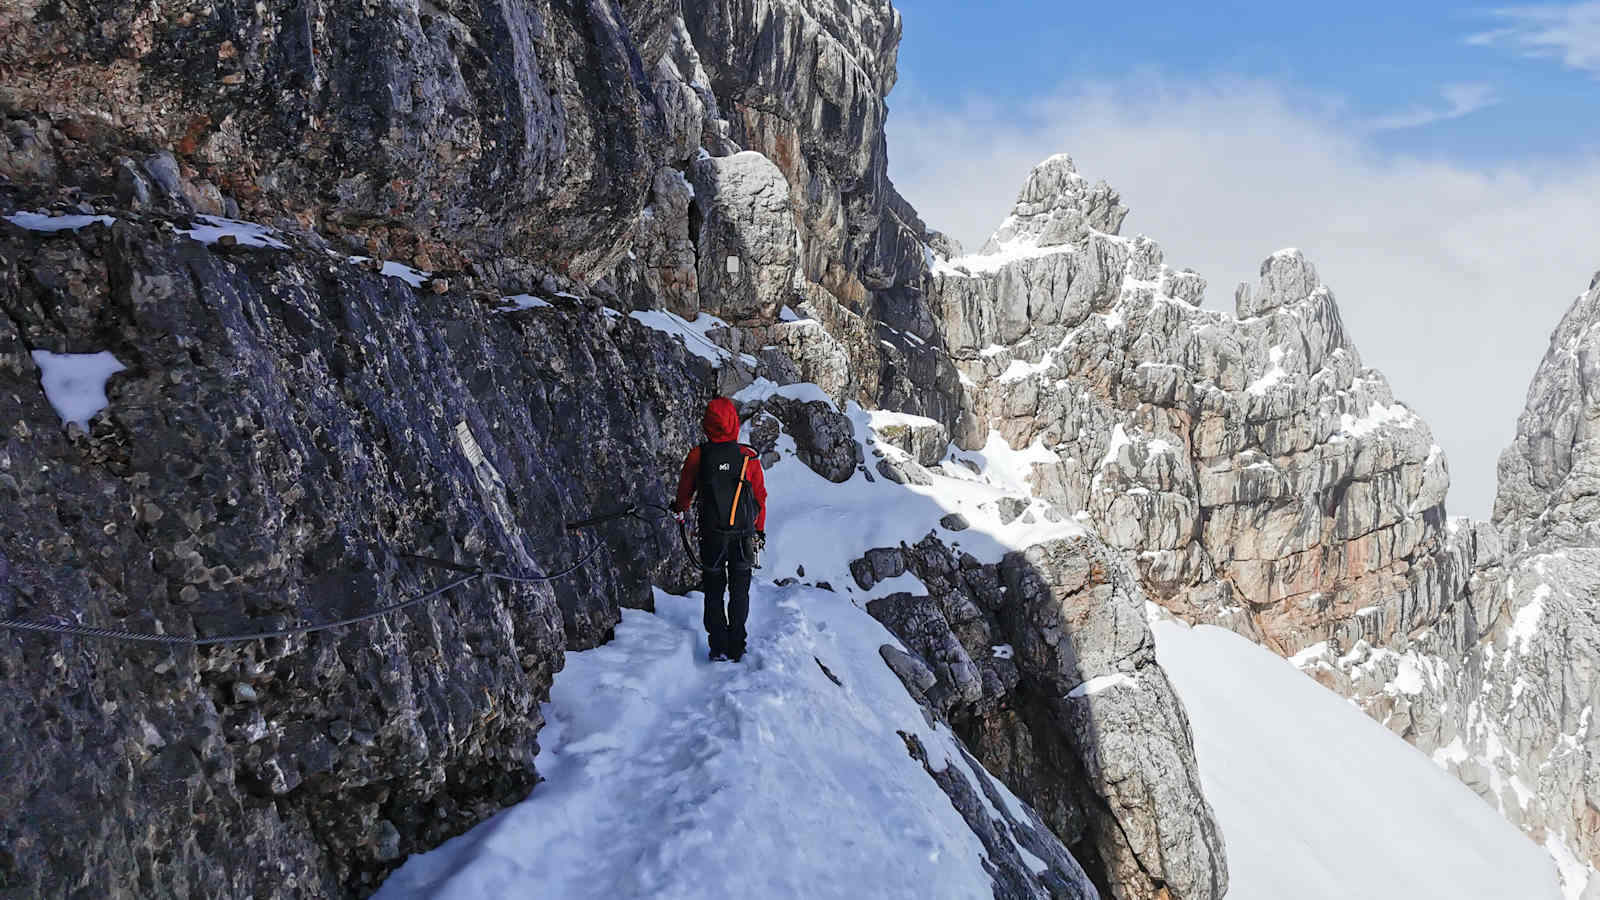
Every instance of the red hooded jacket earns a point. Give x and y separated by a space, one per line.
721 424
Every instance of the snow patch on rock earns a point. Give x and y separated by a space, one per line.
75 383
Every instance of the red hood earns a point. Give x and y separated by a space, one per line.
721 421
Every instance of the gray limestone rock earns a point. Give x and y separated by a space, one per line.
746 243
1079 631
1492 678
911 670
1058 206
541 148
904 472
1550 476
820 358
1051 872
1286 277
811 99
1257 476
922 625
665 248
1010 508
943 244
1046 668
926 441
436 134
1242 463
163 172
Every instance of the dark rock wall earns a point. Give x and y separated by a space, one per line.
285 433
439 133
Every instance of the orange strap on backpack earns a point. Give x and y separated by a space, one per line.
733 513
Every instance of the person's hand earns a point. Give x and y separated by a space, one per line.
761 541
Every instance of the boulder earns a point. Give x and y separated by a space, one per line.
819 357
904 472
746 241
824 437
925 440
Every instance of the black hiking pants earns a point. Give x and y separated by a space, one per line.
727 560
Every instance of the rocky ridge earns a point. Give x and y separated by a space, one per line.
1046 668
1510 714
1255 472
1259 478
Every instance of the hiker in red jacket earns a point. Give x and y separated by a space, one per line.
733 519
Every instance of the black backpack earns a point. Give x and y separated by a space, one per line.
727 505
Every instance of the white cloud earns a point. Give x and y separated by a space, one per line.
1568 32
1450 278
1460 100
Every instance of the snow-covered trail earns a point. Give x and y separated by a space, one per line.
671 776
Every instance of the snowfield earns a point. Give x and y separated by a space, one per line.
1319 802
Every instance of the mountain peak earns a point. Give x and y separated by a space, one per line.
1055 207
1286 277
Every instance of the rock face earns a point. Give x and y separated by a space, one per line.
1550 476
811 100
667 271
1517 724
1058 206
747 237
1046 668
1258 477
1052 874
434 134
819 357
1499 689
1252 469
286 432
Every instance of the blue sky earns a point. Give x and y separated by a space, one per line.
1439 165
1363 60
